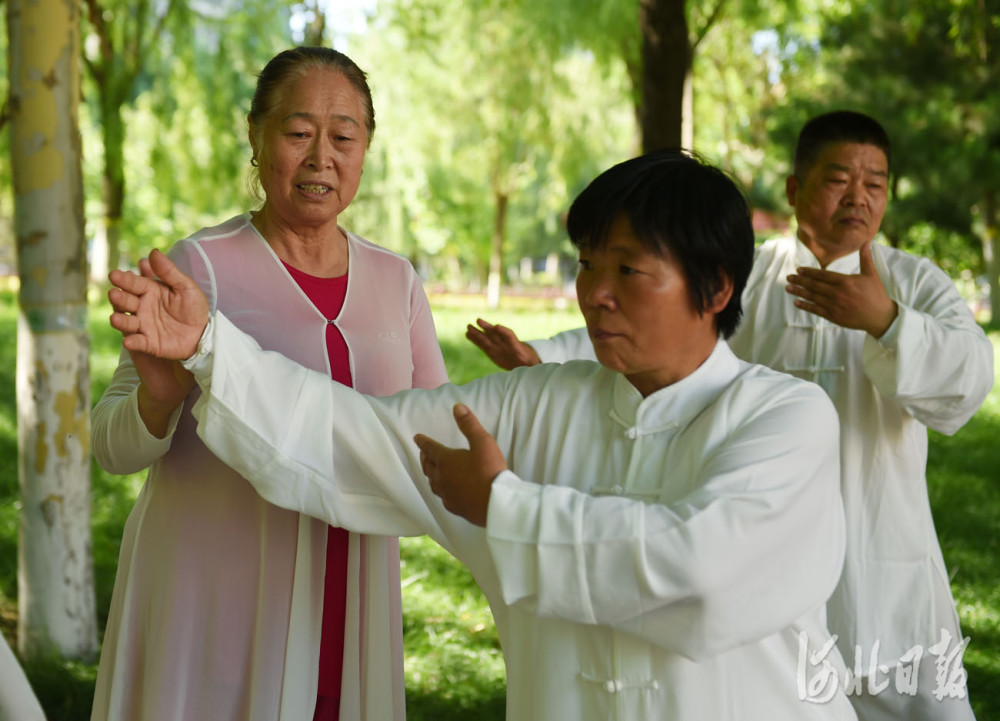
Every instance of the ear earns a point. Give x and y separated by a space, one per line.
791 189
720 299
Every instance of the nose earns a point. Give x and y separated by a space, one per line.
855 193
595 289
320 153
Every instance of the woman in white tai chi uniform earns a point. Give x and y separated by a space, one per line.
894 345
657 534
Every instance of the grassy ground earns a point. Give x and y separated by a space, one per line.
454 665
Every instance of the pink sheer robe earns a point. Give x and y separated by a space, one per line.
218 598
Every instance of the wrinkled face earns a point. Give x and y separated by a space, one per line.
311 150
639 312
840 203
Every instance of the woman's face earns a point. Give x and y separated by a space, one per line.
311 149
639 312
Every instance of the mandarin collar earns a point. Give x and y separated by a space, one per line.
676 404
849 264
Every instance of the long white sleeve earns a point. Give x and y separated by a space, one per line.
320 448
703 520
569 345
934 361
120 441
707 572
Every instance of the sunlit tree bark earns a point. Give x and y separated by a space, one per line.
55 591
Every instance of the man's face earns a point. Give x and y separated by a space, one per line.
840 202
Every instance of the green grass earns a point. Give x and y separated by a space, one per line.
454 667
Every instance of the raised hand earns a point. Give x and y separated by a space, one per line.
501 345
852 301
163 317
463 478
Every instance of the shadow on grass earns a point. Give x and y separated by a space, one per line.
962 476
64 688
984 674
434 707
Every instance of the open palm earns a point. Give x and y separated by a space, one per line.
161 312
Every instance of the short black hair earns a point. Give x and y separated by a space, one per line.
839 126
679 205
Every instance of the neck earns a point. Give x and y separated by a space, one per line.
825 254
321 251
649 382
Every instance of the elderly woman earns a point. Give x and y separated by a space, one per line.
220 596
657 534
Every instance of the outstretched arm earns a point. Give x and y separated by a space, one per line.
164 318
502 345
462 478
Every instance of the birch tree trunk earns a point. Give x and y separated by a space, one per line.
55 572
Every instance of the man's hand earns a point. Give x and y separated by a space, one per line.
463 478
164 318
501 345
852 301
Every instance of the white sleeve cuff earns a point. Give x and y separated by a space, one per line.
200 364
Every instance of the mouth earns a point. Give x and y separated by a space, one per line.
600 334
314 188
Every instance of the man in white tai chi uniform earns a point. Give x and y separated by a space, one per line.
896 348
657 534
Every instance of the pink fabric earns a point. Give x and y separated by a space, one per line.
218 598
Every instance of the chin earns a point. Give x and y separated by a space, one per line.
610 361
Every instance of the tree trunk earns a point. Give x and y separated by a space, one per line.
991 218
666 58
495 279
56 592
316 28
106 255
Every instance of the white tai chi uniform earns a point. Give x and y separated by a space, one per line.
645 558
932 368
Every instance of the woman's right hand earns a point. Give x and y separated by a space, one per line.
161 315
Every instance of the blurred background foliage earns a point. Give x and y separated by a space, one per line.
493 114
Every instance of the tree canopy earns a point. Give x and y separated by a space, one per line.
492 115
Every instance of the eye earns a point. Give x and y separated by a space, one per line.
627 270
